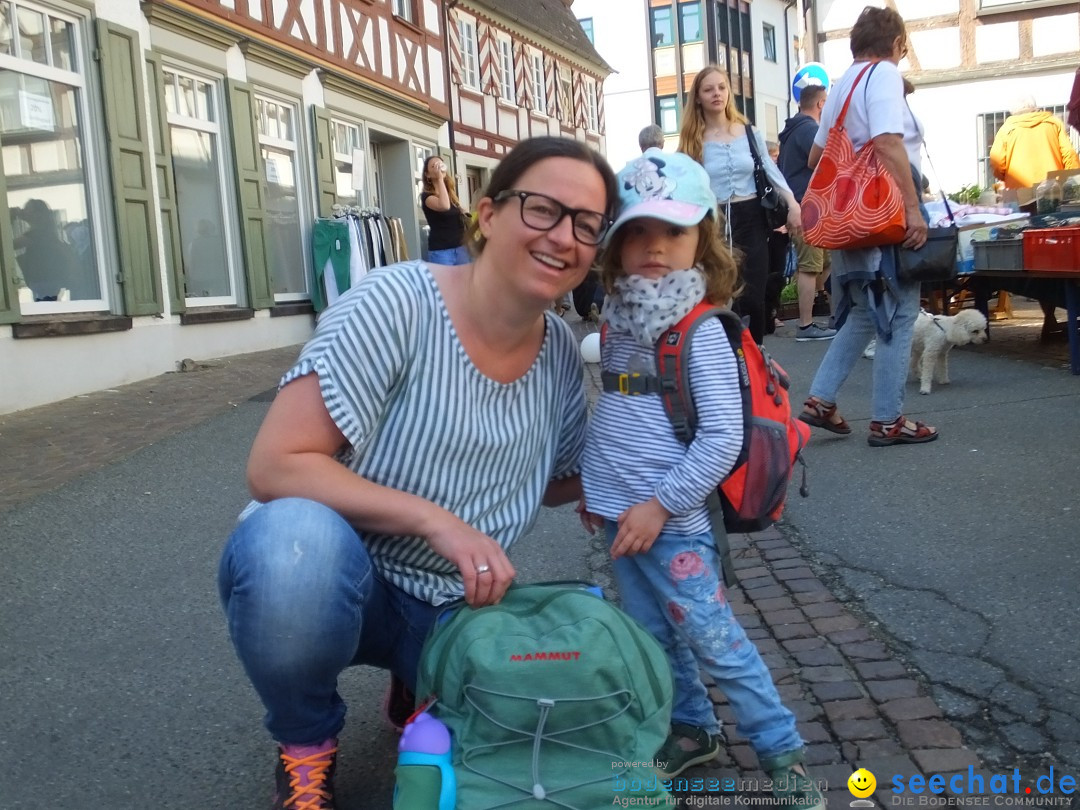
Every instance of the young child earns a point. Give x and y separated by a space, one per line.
648 490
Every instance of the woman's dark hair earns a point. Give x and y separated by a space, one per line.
527 154
875 32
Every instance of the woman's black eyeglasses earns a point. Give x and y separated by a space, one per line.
541 212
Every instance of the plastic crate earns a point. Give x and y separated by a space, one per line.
1052 249
999 254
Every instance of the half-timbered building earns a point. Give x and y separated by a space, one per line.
518 69
163 163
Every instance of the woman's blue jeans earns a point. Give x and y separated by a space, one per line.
303 601
890 358
675 591
450 256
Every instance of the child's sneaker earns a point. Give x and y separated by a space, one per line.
305 776
792 785
672 758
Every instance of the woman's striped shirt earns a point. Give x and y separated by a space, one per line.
421 418
631 453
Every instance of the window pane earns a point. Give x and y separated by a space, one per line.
587 27
668 115
7 33
198 196
186 97
690 22
284 235
61 32
47 195
32 36
661 23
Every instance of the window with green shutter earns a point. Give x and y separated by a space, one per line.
194 112
49 238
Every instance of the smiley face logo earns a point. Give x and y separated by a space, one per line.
861 783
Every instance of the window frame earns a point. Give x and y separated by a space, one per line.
507 79
539 84
685 7
405 10
470 54
768 36
92 137
587 27
661 107
654 12
304 192
566 99
336 156
592 106
221 129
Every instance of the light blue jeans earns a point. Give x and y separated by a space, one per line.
675 591
303 601
890 358
450 256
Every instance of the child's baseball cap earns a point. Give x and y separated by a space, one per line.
669 186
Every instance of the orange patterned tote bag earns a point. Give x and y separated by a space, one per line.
852 200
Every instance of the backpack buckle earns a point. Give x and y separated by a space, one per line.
624 383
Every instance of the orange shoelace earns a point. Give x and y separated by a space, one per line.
311 794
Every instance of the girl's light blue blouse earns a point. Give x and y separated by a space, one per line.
731 167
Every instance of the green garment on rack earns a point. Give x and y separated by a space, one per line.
329 243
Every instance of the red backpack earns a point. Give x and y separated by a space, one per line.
751 497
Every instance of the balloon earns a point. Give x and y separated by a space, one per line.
590 348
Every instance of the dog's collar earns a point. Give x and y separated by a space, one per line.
937 324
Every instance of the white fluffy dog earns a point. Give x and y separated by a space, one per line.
935 335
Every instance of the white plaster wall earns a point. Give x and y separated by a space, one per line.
621 33
125 12
81 364
949 115
997 41
937 49
772 84
1053 35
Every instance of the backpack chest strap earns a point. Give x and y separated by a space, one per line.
631 384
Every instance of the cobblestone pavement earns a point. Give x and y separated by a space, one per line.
856 703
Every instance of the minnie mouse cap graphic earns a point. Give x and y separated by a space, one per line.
668 186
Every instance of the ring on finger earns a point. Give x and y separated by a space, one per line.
484 568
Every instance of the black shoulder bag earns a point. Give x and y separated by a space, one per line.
776 210
935 261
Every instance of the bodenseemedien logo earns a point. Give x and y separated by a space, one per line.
861 785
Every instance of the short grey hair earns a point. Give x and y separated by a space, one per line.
1023 103
651 135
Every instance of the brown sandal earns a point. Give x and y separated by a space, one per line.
900 431
818 414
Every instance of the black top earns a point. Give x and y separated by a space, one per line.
447 227
795 143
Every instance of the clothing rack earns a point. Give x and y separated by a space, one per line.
347 246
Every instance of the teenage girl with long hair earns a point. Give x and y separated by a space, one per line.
714 133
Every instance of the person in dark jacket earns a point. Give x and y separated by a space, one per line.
796 141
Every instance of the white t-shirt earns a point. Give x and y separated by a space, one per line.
877 107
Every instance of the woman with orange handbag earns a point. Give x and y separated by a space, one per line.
870 300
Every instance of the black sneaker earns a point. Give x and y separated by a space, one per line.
305 776
400 703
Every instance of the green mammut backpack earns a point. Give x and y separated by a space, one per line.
554 697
